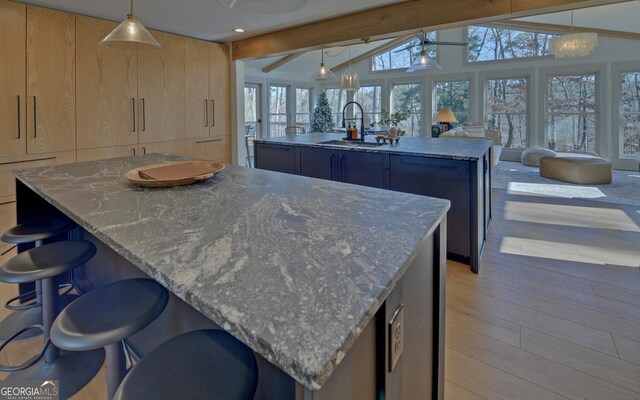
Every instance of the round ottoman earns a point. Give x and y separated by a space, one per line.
584 170
531 156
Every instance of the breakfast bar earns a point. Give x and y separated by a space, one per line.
338 289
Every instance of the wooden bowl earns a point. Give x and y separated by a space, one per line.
134 177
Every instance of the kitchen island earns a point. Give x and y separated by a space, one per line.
308 273
455 169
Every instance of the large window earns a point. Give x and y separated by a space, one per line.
493 44
506 110
251 94
277 110
571 112
370 98
630 114
402 56
303 108
337 99
453 95
408 97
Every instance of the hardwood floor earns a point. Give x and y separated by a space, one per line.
553 314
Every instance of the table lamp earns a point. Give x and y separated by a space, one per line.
445 117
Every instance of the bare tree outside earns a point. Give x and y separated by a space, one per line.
277 110
506 110
630 113
453 95
402 56
408 97
492 44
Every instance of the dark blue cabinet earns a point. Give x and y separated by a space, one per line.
277 157
319 163
362 168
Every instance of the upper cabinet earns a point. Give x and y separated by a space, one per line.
13 18
106 88
51 107
219 89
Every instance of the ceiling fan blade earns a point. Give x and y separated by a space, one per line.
406 48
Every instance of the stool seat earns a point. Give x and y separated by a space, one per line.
199 365
109 314
47 261
28 233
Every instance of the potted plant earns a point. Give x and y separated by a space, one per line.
393 120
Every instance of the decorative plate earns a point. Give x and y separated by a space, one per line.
134 176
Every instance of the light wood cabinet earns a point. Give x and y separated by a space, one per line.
197 99
213 149
106 88
161 92
219 90
13 17
51 118
102 153
176 147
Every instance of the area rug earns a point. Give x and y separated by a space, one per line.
517 178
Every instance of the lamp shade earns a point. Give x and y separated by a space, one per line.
424 63
324 74
573 44
131 34
350 80
445 115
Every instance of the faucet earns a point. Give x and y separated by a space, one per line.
344 110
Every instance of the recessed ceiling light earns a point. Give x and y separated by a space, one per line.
238 30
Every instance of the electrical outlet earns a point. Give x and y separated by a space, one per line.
396 342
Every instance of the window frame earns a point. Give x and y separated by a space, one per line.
423 98
289 89
617 157
294 110
460 76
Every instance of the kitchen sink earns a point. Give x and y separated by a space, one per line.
349 143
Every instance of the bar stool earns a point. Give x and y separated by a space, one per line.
105 317
30 314
199 365
45 263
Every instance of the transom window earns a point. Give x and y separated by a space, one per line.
630 114
402 56
494 44
277 110
453 95
572 112
506 110
408 97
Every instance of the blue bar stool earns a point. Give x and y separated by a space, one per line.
45 263
105 317
198 365
29 314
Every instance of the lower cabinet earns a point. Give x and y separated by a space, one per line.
102 153
174 147
277 157
362 168
210 149
319 163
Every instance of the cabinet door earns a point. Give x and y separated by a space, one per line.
319 163
213 149
361 168
219 125
51 117
103 153
197 99
176 148
275 157
106 88
161 91
13 19
7 180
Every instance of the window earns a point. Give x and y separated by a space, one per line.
303 108
402 56
370 98
337 100
506 110
630 114
408 97
277 110
453 95
493 44
250 109
571 112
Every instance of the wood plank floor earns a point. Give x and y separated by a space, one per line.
553 314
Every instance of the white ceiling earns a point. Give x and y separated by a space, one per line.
209 19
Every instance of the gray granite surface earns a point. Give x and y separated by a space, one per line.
292 266
454 149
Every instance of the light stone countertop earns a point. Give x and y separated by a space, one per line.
294 267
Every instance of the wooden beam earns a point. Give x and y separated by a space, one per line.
389 45
281 62
564 28
397 19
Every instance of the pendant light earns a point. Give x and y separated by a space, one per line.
424 62
323 73
131 34
572 45
350 79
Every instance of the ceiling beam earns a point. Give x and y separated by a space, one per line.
564 28
397 19
281 61
389 45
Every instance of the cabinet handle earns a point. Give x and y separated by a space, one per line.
133 151
18 116
144 150
331 166
206 113
213 113
341 166
283 148
144 115
133 115
35 118
209 141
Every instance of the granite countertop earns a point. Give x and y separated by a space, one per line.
454 149
294 267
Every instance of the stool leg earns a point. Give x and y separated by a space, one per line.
116 368
49 314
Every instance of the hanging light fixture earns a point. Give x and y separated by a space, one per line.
131 34
323 73
575 44
424 62
350 79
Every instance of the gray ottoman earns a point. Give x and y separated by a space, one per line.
532 155
576 169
